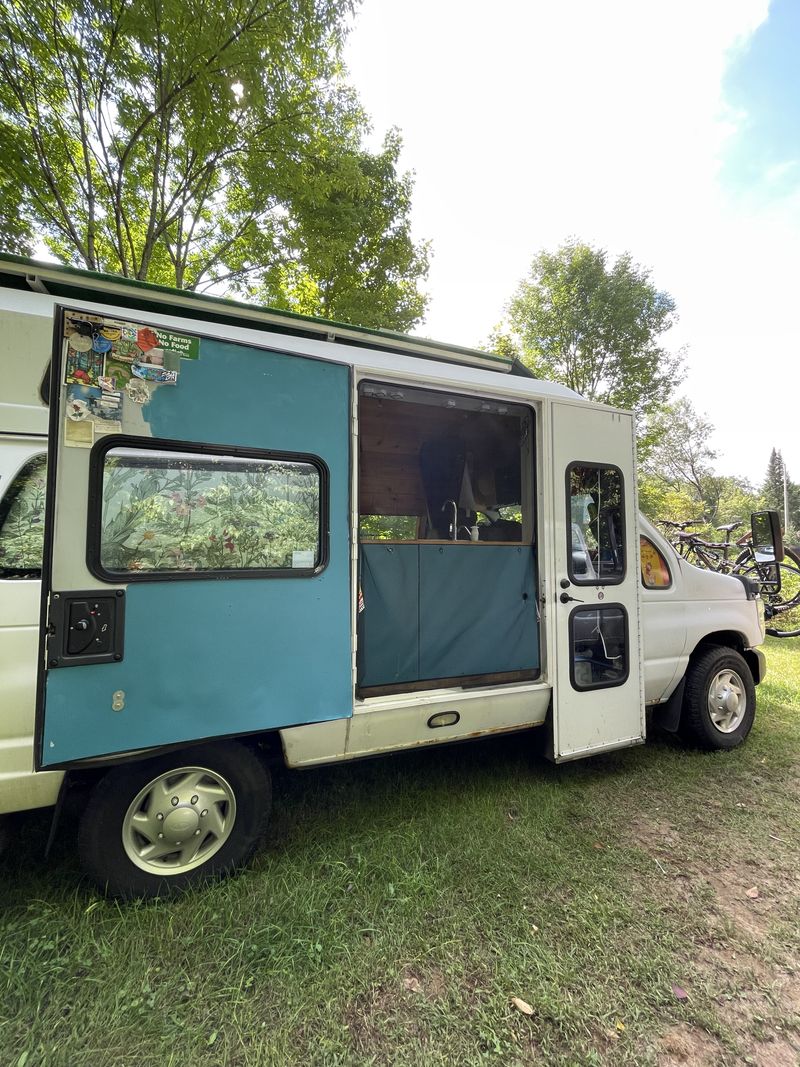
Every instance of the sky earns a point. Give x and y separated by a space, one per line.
668 130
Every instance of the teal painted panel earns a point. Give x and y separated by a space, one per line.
477 610
209 657
388 627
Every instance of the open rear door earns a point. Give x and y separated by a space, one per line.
598 700
197 579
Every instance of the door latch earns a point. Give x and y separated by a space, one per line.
85 628
565 598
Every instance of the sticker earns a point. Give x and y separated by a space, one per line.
102 427
107 383
108 407
154 374
303 557
137 391
127 350
146 338
83 368
79 434
80 399
79 343
100 343
118 372
111 333
183 346
153 356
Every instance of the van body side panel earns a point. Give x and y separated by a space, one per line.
214 656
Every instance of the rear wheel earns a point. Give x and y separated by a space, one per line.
155 827
719 700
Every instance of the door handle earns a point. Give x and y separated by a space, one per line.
565 598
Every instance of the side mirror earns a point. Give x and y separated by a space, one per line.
767 536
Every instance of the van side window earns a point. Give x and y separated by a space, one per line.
442 467
173 513
655 571
22 522
596 550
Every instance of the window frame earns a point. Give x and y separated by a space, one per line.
94 519
579 579
528 471
626 628
657 588
7 501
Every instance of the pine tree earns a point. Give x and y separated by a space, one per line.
772 494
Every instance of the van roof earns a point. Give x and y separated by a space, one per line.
19 272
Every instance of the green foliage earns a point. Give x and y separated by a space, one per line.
190 518
22 524
575 319
196 144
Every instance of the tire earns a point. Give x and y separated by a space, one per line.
719 702
210 803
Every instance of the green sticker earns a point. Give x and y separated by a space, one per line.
185 347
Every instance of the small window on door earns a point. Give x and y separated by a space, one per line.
596 549
22 522
655 571
598 640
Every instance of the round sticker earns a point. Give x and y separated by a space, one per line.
111 333
79 342
100 343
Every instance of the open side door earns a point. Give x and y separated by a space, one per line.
197 572
598 700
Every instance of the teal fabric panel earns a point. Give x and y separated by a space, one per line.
388 627
477 610
210 657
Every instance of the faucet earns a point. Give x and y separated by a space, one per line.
454 523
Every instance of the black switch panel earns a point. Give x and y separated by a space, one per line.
85 628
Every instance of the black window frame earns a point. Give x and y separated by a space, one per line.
577 578
659 588
94 520
598 685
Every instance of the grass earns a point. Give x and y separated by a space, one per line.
399 904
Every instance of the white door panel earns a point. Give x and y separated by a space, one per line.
598 701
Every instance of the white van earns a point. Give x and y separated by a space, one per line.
272 536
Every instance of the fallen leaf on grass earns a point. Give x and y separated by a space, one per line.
620 1025
680 992
752 893
412 985
599 846
522 1005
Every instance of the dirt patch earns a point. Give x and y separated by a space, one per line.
687 1045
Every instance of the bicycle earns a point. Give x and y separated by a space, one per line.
778 582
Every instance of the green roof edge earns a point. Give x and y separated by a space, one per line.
227 302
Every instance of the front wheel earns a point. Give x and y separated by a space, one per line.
155 827
719 700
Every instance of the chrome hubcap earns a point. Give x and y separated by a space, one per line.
179 820
727 701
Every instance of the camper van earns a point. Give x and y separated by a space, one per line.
230 536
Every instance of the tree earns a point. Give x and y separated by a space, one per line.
352 256
772 493
192 143
594 327
677 477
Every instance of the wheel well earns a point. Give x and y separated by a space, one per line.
734 640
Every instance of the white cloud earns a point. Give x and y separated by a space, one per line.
529 122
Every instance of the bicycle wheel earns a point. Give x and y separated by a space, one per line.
782 609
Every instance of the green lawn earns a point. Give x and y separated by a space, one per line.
399 904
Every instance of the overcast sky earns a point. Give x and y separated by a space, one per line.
668 130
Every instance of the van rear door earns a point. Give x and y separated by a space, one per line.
197 572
